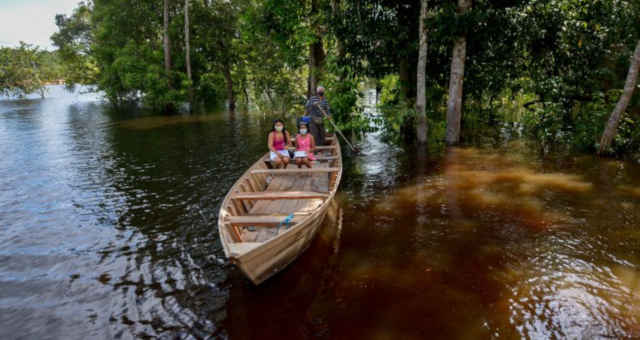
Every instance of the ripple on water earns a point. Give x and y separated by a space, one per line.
108 231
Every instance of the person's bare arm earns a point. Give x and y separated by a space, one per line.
289 141
270 142
313 144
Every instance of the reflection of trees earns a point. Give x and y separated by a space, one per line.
162 188
452 160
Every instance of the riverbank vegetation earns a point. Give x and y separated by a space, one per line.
447 72
28 69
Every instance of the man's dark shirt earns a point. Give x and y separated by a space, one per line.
313 110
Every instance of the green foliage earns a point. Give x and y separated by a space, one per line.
397 116
554 65
547 123
73 41
343 85
26 69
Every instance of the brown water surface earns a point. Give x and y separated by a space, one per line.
107 230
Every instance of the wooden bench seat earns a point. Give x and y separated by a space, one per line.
278 195
316 182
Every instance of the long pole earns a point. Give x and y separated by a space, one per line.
337 129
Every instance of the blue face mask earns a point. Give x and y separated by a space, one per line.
303 131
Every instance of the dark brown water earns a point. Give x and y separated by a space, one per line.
107 230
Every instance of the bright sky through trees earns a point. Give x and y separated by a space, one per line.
31 21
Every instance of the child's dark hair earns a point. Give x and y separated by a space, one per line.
284 129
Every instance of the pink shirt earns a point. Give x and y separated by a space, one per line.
278 144
303 143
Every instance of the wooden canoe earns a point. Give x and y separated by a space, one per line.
250 222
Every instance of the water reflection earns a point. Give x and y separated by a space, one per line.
108 231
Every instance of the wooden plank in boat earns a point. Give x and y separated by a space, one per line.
262 220
293 171
279 183
326 158
293 182
318 147
278 195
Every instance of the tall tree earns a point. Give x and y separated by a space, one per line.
73 40
454 103
623 102
421 83
316 51
167 51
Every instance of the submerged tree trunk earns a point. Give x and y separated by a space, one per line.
630 84
454 103
403 76
188 52
421 100
229 82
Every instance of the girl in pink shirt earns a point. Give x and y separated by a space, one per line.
305 145
278 141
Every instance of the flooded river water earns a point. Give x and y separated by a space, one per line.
108 231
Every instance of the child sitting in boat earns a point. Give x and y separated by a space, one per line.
305 144
278 141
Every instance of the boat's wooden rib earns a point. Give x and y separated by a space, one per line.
278 195
318 147
293 171
326 158
264 198
261 220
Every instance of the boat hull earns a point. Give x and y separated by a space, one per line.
267 249
270 258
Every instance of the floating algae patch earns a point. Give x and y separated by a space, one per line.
528 180
425 193
508 188
634 191
528 210
153 122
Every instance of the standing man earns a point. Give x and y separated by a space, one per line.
314 107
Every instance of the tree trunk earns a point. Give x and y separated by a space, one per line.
623 102
167 52
188 52
313 81
454 102
229 82
403 76
421 100
340 52
316 63
316 57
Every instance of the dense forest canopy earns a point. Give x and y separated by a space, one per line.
561 70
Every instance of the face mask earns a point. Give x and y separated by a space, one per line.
303 131
279 128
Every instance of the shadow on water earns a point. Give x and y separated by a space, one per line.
108 231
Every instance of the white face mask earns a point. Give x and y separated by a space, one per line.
303 131
279 128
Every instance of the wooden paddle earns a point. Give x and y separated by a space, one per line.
353 148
